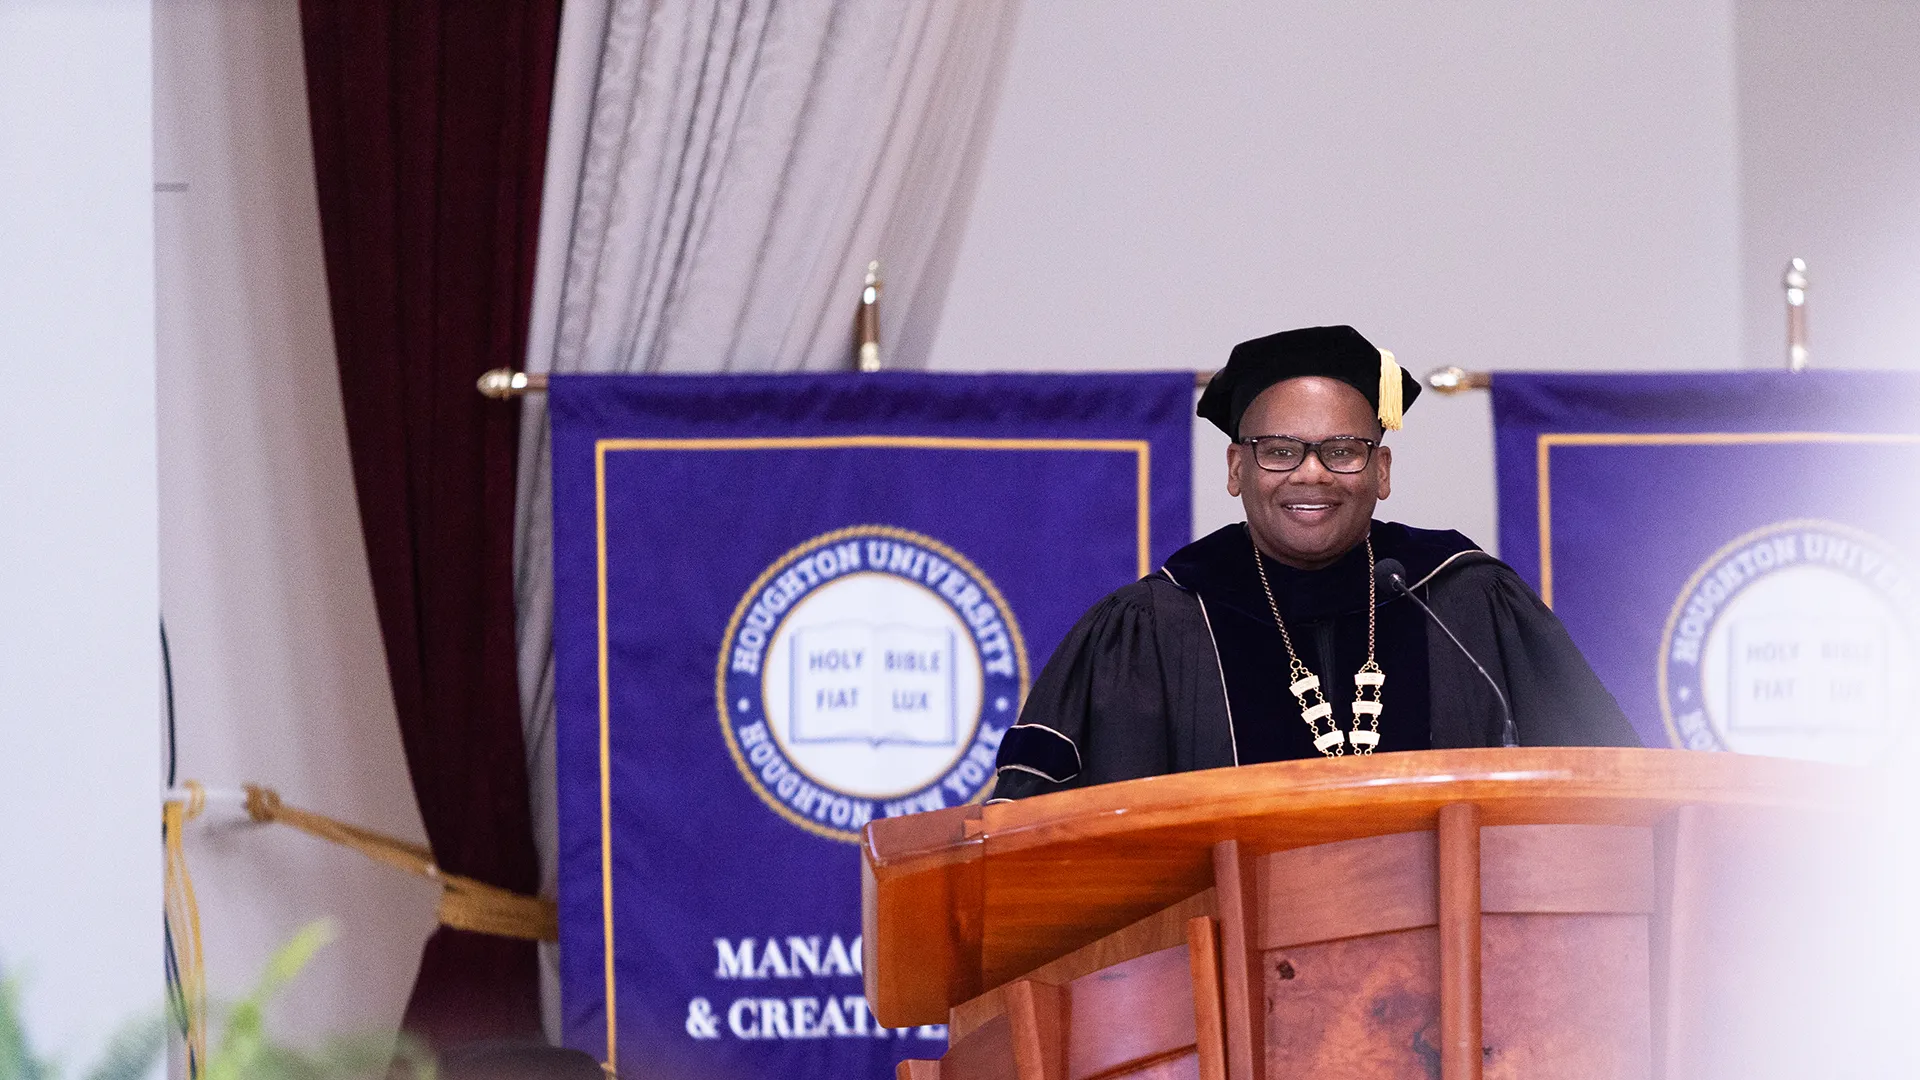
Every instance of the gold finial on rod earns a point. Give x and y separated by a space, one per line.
866 322
503 383
1795 281
1452 380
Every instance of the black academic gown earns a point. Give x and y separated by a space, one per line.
1185 669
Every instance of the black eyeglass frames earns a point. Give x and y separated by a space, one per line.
1284 453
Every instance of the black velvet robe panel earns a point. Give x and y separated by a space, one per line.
1185 670
1326 615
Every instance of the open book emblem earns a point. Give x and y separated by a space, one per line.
868 673
853 681
1794 640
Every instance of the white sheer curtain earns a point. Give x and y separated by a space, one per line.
719 174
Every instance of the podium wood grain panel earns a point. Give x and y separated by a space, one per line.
1022 892
1347 889
987 1054
1567 868
1365 1008
1130 1014
1162 930
1567 997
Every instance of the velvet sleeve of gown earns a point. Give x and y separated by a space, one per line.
1557 700
1133 690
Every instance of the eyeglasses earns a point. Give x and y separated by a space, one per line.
1284 453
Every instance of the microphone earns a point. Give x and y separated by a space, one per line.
1393 575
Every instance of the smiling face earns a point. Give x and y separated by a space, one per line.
1308 518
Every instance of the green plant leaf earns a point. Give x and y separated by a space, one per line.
16 1053
292 958
245 1050
134 1049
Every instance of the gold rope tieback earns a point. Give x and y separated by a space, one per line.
183 922
465 903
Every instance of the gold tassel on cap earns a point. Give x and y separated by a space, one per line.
1389 392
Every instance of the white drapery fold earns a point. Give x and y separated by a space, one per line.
719 174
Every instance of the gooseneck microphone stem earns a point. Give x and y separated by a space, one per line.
1392 574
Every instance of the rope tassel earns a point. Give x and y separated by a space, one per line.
465 903
183 923
1390 387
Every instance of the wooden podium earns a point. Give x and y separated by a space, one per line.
1459 913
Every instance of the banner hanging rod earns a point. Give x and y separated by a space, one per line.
501 384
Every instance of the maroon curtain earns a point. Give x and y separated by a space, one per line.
429 138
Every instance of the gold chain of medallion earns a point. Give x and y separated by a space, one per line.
1368 682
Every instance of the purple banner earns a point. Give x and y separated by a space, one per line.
786 606
1733 552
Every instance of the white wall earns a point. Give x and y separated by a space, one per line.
1491 183
1830 172
80 888
277 659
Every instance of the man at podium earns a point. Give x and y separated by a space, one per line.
1301 632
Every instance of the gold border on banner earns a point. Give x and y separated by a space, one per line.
1140 448
1547 442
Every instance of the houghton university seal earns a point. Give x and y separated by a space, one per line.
869 672
1795 640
